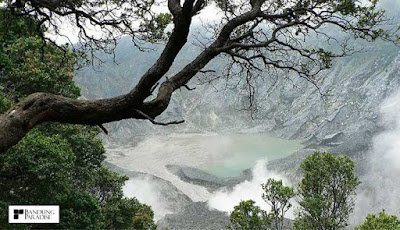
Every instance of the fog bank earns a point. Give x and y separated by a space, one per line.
380 188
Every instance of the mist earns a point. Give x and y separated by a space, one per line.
380 188
226 199
146 191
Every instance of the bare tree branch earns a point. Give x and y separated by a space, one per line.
157 122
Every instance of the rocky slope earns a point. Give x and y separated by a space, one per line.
168 194
294 108
343 121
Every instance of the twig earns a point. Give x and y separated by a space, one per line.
103 128
187 87
207 71
156 122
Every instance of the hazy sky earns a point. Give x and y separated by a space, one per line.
209 14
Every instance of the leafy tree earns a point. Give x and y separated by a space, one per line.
61 164
380 221
278 197
261 37
56 163
327 192
247 216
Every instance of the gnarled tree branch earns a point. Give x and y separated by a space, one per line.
259 35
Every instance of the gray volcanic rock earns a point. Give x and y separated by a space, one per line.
290 166
343 121
172 197
353 147
196 216
211 182
353 89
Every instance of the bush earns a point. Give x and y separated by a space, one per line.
380 221
247 216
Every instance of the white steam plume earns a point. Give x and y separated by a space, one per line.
226 199
146 191
381 187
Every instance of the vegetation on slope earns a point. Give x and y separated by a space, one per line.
56 163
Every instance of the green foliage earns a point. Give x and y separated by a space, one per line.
13 27
380 221
278 197
128 214
5 103
327 192
61 164
29 65
55 163
26 69
79 210
156 27
326 198
27 172
39 170
247 216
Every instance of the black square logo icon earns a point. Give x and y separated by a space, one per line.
18 212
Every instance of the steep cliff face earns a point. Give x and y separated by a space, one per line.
288 106
355 88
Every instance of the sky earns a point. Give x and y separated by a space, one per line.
208 14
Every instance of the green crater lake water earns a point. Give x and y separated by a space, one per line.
223 155
241 151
